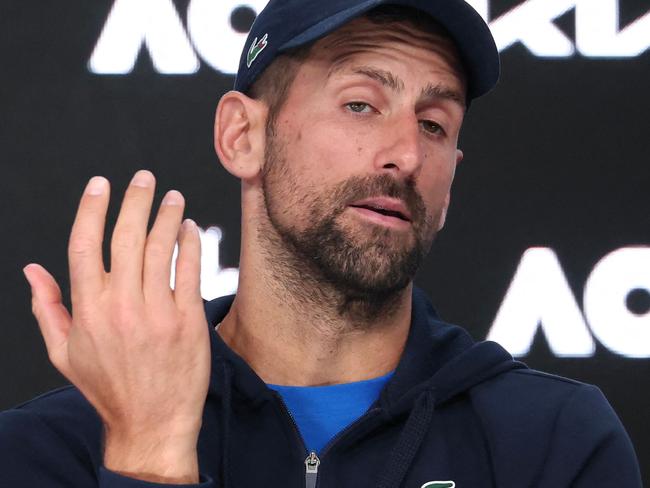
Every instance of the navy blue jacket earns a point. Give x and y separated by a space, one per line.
456 412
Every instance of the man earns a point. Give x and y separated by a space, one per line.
328 368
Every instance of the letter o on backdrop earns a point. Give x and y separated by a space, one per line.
215 40
605 307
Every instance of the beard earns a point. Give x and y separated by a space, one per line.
363 262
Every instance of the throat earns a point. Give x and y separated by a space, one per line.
288 341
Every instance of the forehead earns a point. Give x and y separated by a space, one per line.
364 36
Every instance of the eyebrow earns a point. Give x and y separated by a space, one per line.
389 80
443 92
386 78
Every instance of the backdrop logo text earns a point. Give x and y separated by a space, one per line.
539 297
175 48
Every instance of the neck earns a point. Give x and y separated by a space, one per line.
294 329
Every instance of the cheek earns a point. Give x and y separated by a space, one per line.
324 151
435 185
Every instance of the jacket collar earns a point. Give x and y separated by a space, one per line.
437 356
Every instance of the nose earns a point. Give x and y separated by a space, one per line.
400 148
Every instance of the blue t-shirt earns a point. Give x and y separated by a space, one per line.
321 412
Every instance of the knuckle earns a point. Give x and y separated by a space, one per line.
157 250
185 285
81 246
35 308
79 302
126 240
84 315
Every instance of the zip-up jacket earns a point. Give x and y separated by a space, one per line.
455 414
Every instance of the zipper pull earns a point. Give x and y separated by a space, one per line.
311 470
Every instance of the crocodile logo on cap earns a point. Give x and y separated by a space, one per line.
256 48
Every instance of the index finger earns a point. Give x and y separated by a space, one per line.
85 247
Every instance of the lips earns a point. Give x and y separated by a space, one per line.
386 206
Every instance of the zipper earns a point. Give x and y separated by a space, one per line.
313 462
311 470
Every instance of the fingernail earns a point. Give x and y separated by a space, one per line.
142 178
96 185
173 197
188 225
26 273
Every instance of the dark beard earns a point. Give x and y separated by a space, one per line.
368 270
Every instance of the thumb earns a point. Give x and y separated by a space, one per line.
53 318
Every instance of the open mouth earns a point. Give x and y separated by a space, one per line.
384 211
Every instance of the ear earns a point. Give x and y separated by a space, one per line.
443 213
239 134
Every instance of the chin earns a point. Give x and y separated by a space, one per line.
370 268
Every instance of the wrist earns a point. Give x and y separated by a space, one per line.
153 457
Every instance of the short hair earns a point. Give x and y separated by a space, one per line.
273 85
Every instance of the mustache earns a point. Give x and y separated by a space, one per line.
358 188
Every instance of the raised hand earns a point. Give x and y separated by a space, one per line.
137 350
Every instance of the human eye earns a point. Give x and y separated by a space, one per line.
359 107
431 127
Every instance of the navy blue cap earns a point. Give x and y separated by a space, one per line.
287 24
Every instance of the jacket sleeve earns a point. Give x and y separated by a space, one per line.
32 454
109 479
590 446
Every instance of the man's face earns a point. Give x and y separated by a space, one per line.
362 155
